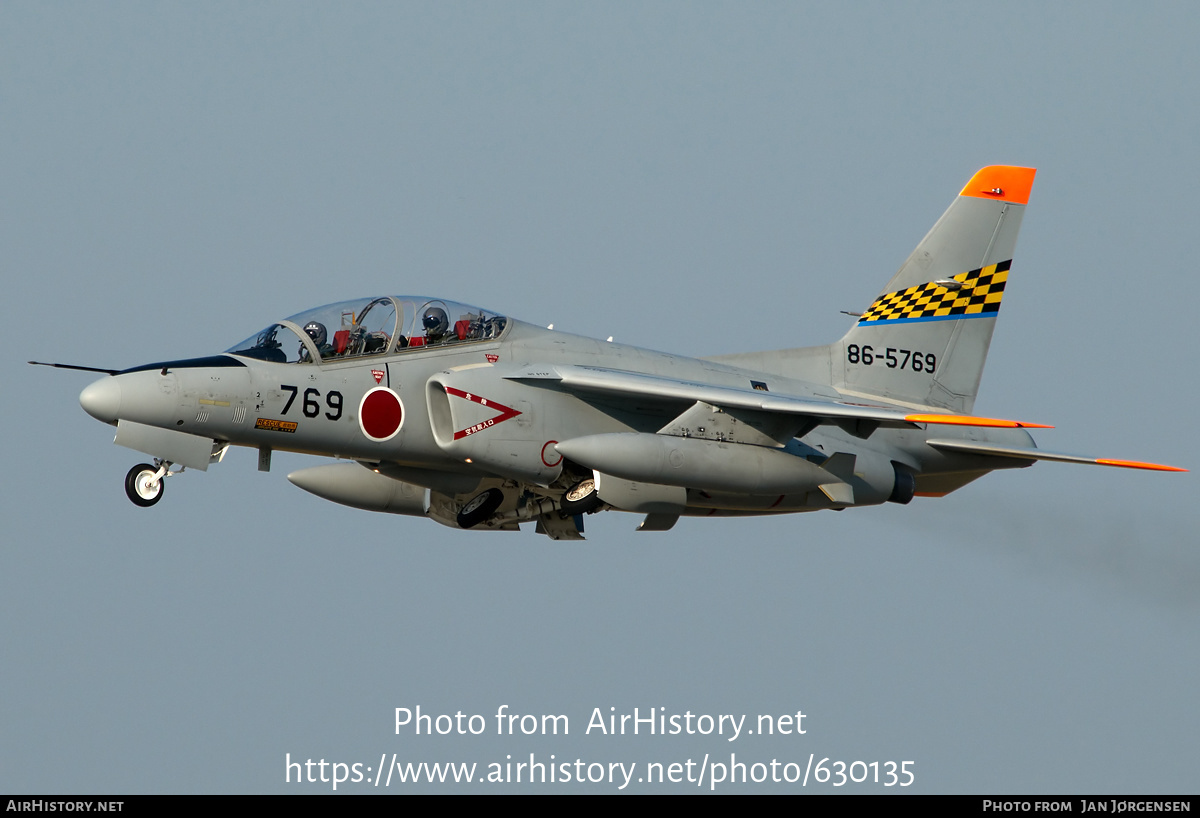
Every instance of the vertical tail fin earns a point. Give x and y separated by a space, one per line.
925 337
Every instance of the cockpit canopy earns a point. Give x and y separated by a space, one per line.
372 326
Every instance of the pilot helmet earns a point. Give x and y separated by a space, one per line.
316 331
436 322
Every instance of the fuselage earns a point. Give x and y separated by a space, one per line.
459 417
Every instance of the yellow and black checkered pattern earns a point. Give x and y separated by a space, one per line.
980 293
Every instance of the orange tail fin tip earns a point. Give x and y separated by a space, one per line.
1004 182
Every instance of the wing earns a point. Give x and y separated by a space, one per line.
830 410
856 417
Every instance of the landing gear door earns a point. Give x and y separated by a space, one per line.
180 448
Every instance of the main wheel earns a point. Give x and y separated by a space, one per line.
141 486
479 508
581 498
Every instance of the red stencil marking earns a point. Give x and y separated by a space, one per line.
505 412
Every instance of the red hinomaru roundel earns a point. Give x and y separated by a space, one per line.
380 414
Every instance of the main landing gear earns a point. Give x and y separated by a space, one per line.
580 498
479 508
144 483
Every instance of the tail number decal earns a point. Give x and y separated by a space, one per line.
893 358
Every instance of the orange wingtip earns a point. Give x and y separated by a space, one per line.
968 420
1134 464
1003 182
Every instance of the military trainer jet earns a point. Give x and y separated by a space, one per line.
480 421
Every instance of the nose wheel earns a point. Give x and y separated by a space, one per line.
581 498
144 483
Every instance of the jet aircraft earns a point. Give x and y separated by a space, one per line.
479 421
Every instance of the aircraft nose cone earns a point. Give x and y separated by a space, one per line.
102 399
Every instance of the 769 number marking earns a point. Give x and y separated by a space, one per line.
309 405
893 358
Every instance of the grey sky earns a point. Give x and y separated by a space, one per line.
699 178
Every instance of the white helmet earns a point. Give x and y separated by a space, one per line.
436 322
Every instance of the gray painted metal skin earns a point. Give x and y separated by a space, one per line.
490 424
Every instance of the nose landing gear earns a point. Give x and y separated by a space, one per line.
581 498
144 483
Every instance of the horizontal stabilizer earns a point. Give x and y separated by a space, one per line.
970 447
